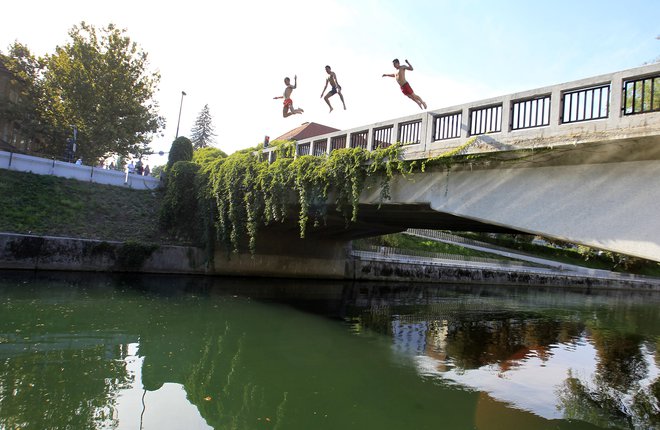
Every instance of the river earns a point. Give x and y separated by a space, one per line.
84 351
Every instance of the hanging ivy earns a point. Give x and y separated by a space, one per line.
249 193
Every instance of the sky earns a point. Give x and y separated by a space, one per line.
233 56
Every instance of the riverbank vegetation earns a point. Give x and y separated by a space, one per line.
53 206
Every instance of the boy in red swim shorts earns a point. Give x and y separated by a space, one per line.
400 77
287 108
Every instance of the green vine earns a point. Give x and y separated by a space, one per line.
250 193
447 158
244 193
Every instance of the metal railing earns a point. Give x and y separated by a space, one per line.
360 140
383 137
409 132
447 126
534 112
304 149
338 142
486 120
385 252
586 104
641 95
320 147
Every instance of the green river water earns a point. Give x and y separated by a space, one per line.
80 351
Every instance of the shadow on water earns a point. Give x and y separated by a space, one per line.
251 352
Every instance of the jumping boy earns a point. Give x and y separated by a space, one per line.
400 77
287 109
335 88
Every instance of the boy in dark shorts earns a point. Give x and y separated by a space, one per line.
335 88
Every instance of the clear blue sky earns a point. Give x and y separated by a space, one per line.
234 56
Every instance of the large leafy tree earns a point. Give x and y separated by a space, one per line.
24 110
99 83
202 134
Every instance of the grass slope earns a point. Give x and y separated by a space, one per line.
49 205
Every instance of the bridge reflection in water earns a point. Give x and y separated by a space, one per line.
89 352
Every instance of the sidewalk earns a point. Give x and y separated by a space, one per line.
493 249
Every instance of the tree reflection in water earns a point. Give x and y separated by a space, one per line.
617 394
463 334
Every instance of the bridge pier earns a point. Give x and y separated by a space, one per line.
284 254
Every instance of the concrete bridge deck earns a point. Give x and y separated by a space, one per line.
578 161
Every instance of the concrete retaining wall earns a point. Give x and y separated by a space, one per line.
371 270
44 166
52 253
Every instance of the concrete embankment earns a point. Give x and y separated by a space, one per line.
411 271
56 253
29 252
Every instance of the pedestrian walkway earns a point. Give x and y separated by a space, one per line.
444 237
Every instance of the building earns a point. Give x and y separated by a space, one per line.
306 130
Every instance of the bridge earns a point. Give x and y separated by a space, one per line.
578 161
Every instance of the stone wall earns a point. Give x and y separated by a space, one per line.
30 252
54 253
372 270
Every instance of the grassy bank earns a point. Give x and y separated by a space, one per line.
49 205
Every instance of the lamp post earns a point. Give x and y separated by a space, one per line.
183 93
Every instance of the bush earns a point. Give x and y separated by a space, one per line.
206 155
181 150
179 214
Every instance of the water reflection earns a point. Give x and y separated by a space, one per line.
167 352
604 357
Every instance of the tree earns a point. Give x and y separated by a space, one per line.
202 132
99 83
25 70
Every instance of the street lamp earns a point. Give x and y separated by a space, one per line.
183 93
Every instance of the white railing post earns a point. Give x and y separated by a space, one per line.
505 127
370 139
426 133
616 97
465 123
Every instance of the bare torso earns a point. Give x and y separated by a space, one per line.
332 79
400 75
